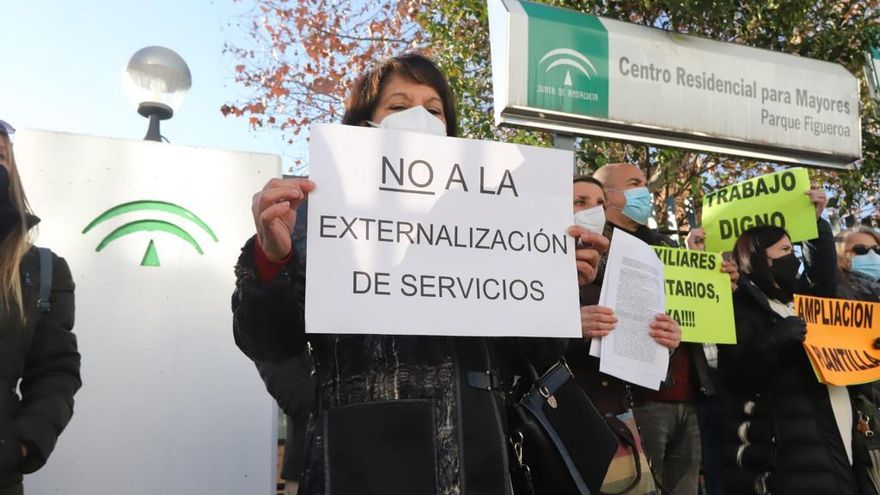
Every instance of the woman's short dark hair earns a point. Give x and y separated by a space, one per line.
750 253
589 180
417 68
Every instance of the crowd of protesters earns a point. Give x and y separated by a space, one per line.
392 414
405 414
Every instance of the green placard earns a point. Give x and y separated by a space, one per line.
568 61
773 199
698 295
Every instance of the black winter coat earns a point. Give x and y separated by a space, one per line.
292 386
852 285
780 434
40 358
395 414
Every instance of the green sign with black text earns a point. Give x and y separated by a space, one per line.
774 199
698 295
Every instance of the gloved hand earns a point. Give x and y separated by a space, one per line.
791 330
877 344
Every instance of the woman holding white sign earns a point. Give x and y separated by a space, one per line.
395 414
38 354
786 433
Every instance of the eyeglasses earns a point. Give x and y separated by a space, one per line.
861 249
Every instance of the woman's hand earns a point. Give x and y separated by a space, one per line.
587 255
597 321
819 200
274 210
732 271
665 331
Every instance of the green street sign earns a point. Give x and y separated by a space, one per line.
568 72
568 61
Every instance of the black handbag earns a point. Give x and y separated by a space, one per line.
866 438
561 444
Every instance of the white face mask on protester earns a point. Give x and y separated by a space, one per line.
413 119
592 219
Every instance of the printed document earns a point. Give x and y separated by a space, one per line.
633 288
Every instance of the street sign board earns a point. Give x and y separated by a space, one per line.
569 72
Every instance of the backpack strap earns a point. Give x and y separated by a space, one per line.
44 303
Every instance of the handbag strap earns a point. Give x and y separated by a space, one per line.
625 436
545 386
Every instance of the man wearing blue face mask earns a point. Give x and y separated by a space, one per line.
667 418
629 202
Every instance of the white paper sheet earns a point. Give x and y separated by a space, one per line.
633 288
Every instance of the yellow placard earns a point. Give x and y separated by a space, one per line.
773 199
840 339
698 295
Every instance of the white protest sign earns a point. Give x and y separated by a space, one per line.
424 235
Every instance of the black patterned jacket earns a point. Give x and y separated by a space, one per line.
395 414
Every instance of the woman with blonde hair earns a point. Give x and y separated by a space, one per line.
858 257
38 355
858 278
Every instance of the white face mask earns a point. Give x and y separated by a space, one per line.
592 219
413 119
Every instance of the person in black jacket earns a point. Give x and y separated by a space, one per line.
667 418
612 396
858 260
38 354
292 385
395 414
785 432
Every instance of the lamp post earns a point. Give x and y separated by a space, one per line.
156 79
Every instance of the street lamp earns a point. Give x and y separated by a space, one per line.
156 79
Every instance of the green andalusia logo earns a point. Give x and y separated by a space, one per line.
151 255
568 61
567 58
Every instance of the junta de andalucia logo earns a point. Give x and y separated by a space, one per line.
568 61
144 208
